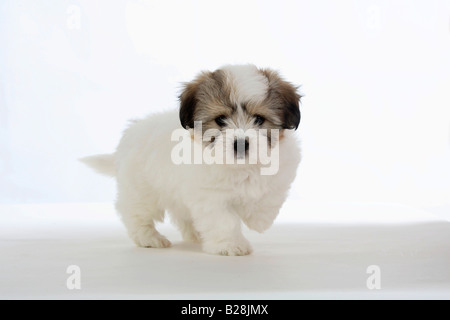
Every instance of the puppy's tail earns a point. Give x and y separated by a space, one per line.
102 163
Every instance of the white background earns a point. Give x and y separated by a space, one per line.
375 75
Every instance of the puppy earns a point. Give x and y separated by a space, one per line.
228 155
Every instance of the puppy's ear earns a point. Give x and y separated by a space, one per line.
291 99
285 99
188 102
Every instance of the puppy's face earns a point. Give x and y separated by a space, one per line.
234 104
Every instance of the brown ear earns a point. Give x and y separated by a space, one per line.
286 98
188 101
291 109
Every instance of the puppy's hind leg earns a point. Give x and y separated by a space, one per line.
187 229
139 218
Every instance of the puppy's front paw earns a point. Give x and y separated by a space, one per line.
259 224
228 248
150 238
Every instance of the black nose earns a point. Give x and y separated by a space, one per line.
241 145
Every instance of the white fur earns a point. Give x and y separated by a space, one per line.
206 202
249 84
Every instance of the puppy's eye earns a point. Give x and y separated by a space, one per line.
220 121
259 120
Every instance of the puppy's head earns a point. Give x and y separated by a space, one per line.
234 102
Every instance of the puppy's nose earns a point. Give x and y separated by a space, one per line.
241 145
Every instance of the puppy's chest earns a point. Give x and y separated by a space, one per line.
248 187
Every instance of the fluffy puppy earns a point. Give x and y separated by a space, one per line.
202 164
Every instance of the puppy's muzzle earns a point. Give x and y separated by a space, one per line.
241 147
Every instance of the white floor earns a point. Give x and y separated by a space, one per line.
323 253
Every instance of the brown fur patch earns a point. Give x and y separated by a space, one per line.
212 94
205 98
283 97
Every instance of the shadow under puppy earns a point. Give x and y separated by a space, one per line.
204 163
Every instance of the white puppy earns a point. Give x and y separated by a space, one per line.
203 164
